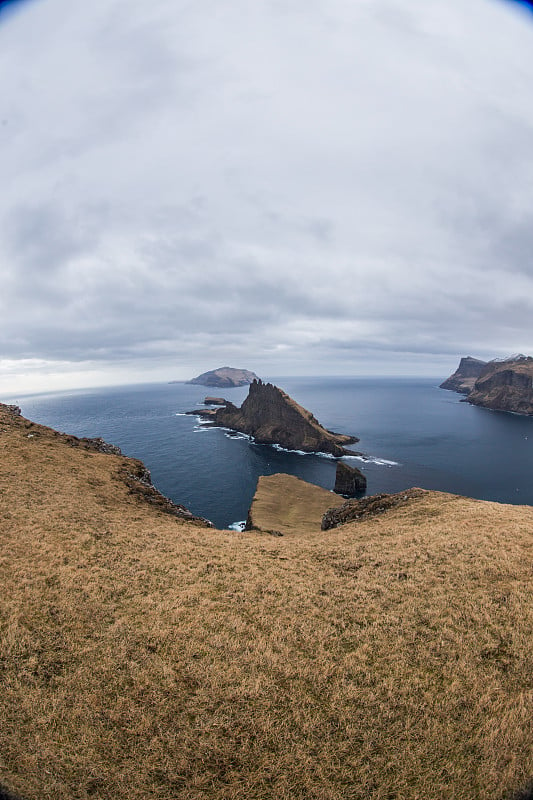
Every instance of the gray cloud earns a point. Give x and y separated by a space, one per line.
313 187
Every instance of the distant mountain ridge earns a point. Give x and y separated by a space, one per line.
502 384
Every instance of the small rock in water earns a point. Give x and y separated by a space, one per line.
349 481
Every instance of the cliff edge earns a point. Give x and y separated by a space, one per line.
272 417
501 384
465 376
505 386
130 472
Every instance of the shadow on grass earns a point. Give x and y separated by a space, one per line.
5 795
524 794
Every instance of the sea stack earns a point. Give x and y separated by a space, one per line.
272 417
349 481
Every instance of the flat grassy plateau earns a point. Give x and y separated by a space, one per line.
142 656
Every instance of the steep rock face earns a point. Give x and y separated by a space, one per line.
225 377
272 417
505 386
465 376
349 481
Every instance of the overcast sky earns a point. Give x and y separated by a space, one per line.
290 186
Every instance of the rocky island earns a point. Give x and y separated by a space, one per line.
272 417
502 384
225 377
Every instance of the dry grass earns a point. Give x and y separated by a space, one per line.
144 657
288 505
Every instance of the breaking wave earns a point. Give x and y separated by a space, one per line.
237 526
382 462
206 425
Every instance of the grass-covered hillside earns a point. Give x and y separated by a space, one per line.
145 656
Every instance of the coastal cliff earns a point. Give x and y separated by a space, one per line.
505 386
465 376
502 385
272 417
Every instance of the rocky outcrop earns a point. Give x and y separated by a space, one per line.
225 377
349 481
272 417
97 445
465 376
214 401
354 510
14 410
505 386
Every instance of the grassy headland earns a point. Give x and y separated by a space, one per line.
144 656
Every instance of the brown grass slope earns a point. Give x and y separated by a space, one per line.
142 656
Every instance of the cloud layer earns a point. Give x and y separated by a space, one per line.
308 186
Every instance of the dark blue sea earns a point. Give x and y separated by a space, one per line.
411 432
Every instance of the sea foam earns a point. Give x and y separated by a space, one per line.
382 462
237 526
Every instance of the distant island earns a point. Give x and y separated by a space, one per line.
225 377
501 384
272 417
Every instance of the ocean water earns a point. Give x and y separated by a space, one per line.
411 432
